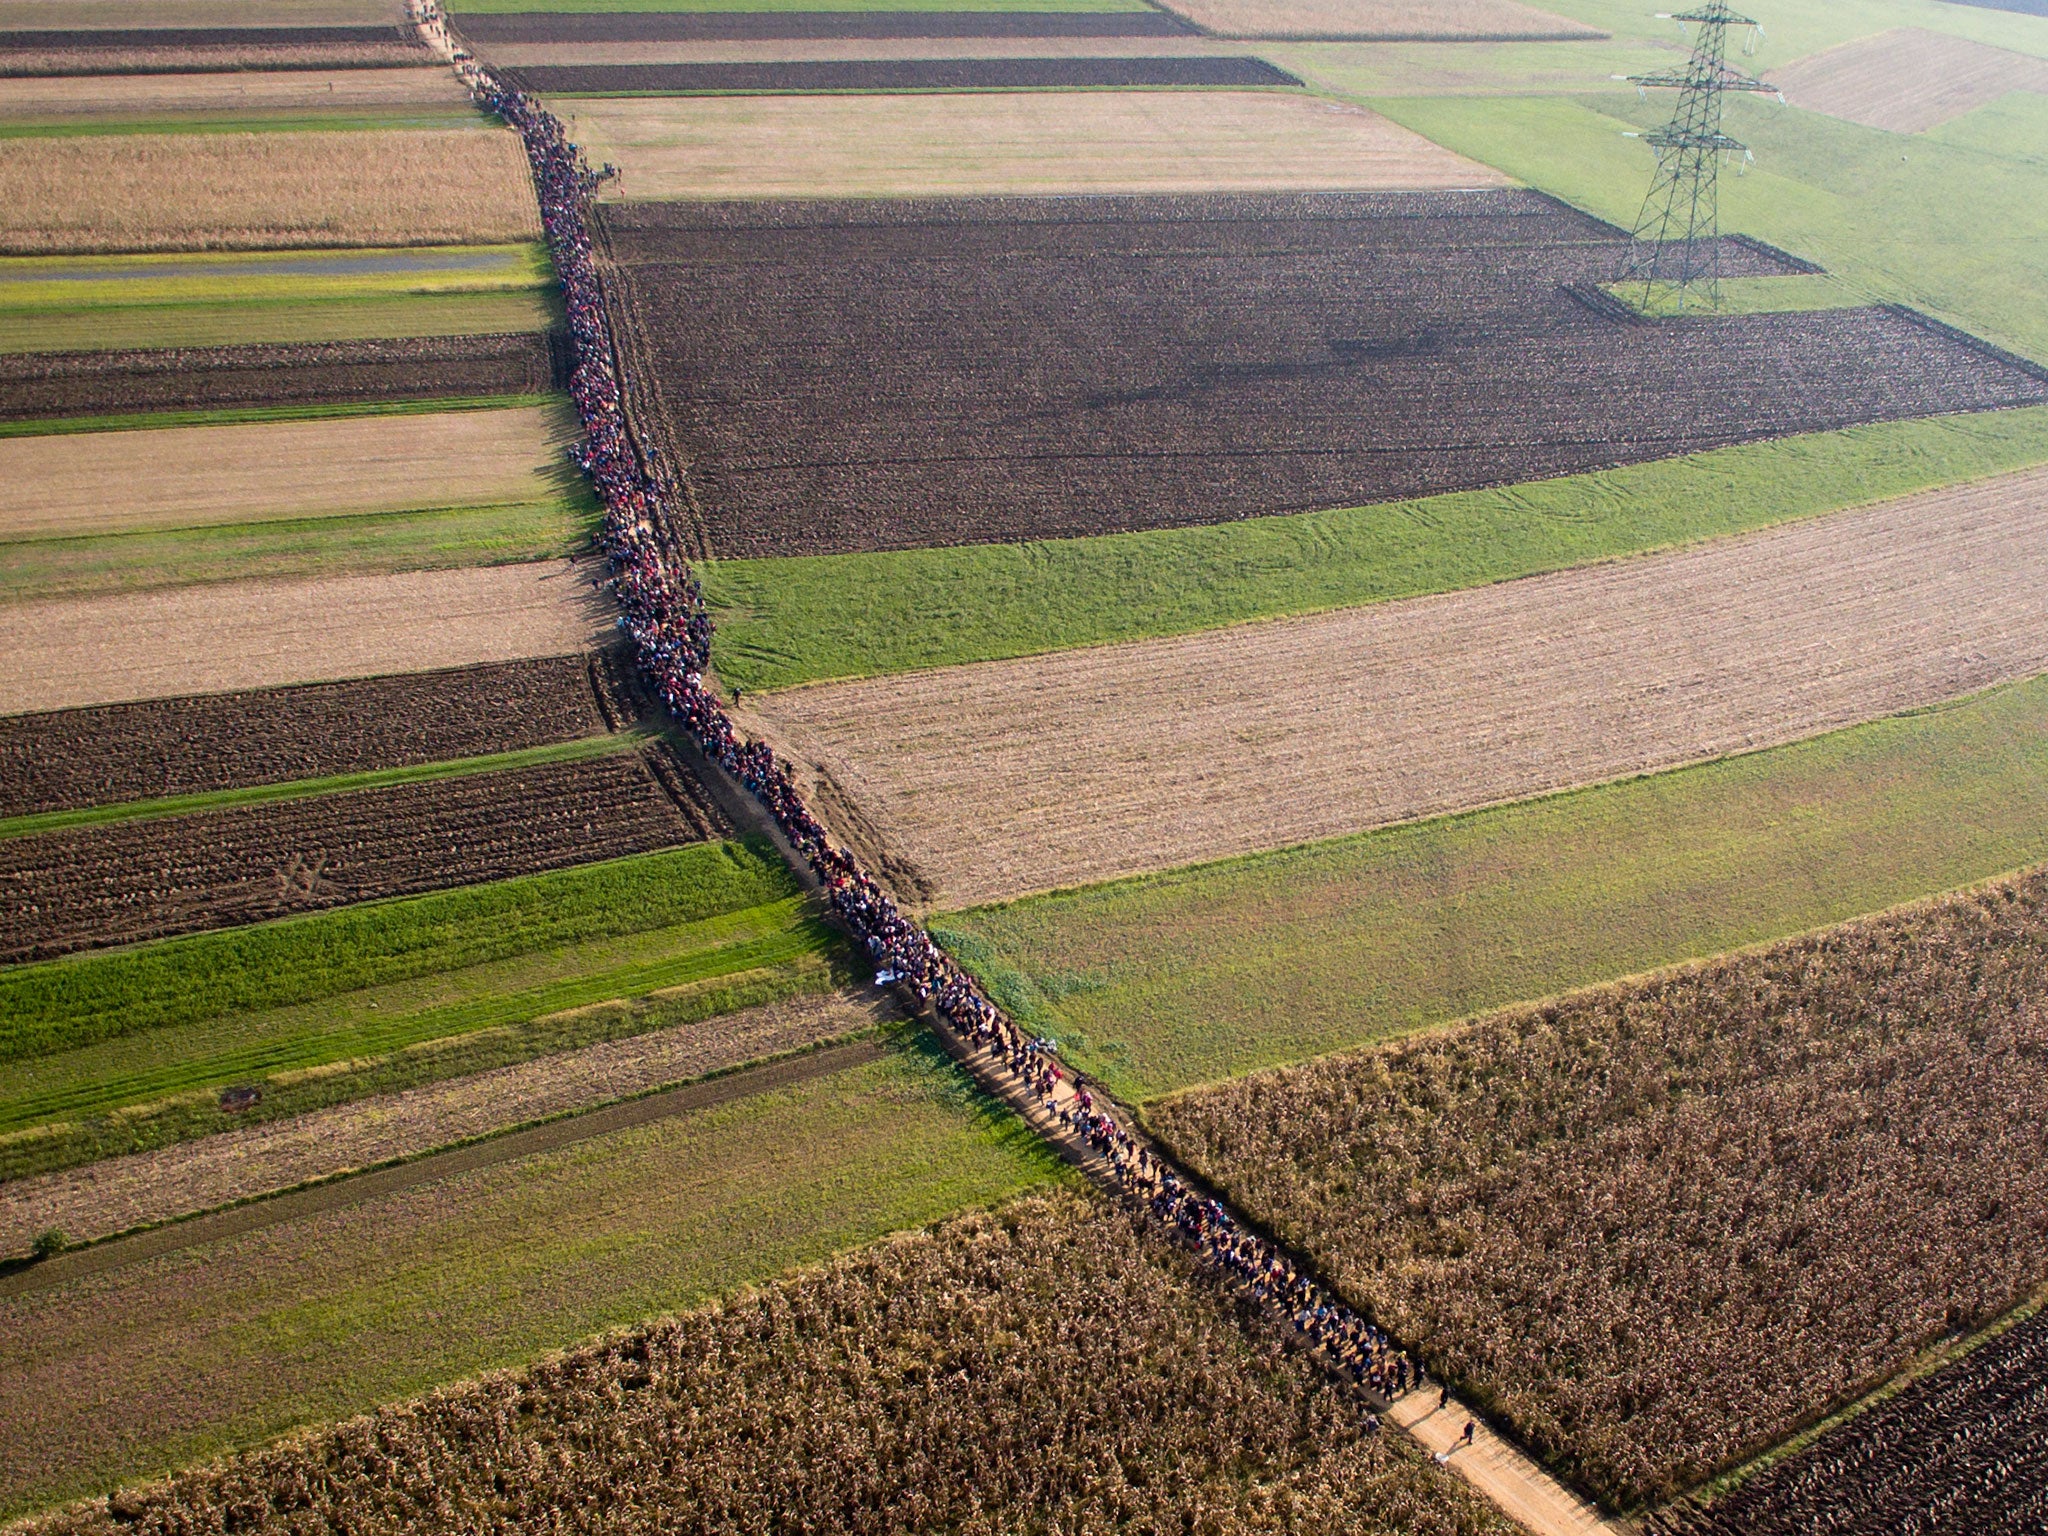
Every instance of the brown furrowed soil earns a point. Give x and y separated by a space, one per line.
73 484
492 32
55 384
1908 80
1007 777
1214 358
958 74
1656 1227
138 1190
213 191
99 97
1958 1450
121 882
1384 21
1051 1363
68 653
116 752
1055 142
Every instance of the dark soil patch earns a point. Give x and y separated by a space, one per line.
119 752
133 880
898 75
750 26
1039 368
50 384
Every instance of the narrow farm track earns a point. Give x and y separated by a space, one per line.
343 1193
1002 778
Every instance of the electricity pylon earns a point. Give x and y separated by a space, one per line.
1676 242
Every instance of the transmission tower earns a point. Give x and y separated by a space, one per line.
1675 244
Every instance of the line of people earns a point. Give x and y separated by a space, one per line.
662 609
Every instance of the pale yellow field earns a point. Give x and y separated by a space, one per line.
261 634
1031 142
73 484
1007 777
1907 80
240 90
203 191
1388 20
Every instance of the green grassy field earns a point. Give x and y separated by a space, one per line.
243 415
1198 974
1795 28
364 544
277 320
41 284
789 621
228 1343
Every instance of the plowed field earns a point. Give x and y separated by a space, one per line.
261 634
72 484
1141 363
104 755
115 884
1003 74
1385 21
1907 80
1007 777
1054 142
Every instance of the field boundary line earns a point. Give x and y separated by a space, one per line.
341 1191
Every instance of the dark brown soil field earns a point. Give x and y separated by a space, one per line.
50 384
748 26
115 752
896 75
131 880
1957 1451
1151 362
180 50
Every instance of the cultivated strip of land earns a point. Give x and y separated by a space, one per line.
97 98
1908 80
54 329
1476 21
1008 777
238 635
182 477
790 49
881 146
146 1188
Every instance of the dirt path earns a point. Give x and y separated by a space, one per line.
342 1193
998 779
1519 1487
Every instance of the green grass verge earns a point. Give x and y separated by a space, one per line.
364 544
238 1340
243 415
301 789
1186 977
61 1005
798 620
34 284
1955 225
512 311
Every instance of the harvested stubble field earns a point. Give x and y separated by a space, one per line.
1007 777
107 381
1658 1226
260 634
1142 363
493 33
100 98
1070 72
1036 1366
157 53
1054 142
74 484
186 746
121 882
1908 80
141 1189
204 191
1958 1450
231 1342
1387 21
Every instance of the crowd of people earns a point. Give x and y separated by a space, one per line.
663 611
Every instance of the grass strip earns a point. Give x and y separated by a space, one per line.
302 789
355 544
42 283
788 621
242 414
1205 973
278 321
82 1000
